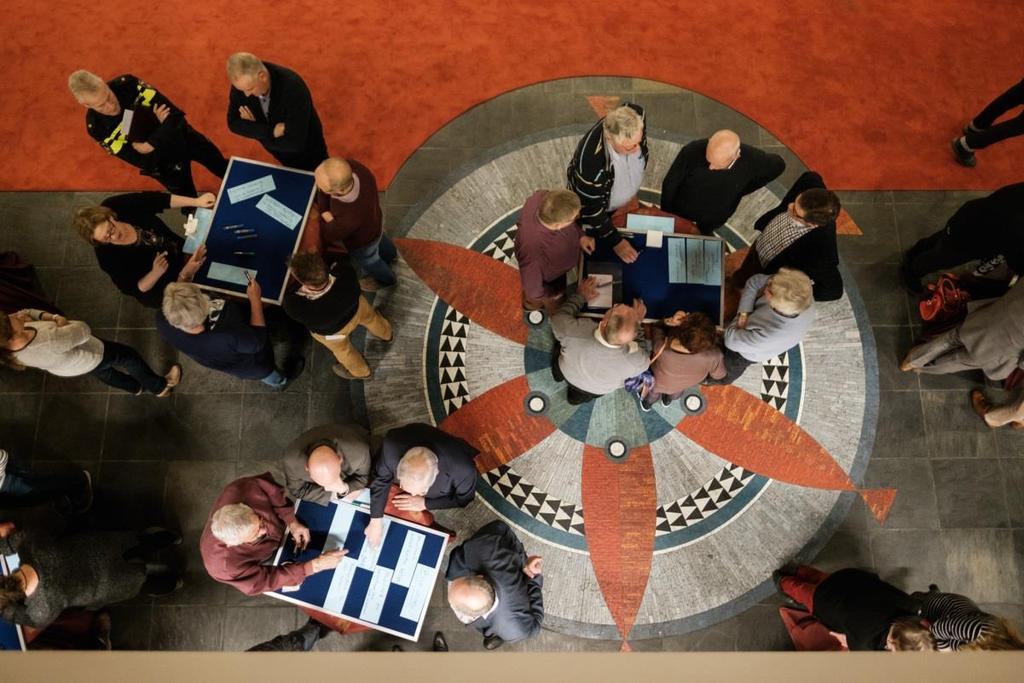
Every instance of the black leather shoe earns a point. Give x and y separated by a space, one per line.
440 644
493 642
964 156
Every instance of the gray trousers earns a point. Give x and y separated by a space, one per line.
942 355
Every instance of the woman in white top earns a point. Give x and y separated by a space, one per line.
37 339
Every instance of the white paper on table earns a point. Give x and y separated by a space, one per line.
340 524
253 188
364 496
605 285
202 219
226 273
419 590
655 239
638 222
376 594
368 554
340 584
278 211
408 558
677 260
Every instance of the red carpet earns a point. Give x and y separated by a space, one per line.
868 92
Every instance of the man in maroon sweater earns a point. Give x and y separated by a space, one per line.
548 243
350 216
249 520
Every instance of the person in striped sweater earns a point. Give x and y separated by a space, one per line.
957 623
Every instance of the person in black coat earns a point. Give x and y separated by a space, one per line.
799 233
433 469
135 247
272 104
710 176
159 142
494 587
980 229
863 611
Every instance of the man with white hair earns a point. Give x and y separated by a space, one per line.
328 463
248 523
495 588
420 468
158 141
595 358
220 334
272 104
710 176
774 315
606 172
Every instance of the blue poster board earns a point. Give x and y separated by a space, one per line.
11 635
387 588
257 232
687 273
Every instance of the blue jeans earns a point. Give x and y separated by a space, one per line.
375 258
275 379
123 368
22 488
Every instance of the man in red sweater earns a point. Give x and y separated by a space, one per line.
350 216
249 520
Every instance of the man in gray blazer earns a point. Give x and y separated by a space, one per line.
494 587
328 463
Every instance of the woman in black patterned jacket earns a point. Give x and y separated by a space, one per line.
957 623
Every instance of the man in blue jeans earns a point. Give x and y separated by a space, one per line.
71 493
221 335
351 217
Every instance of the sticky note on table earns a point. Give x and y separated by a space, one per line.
376 594
278 211
419 592
203 220
638 222
253 188
605 285
655 239
226 273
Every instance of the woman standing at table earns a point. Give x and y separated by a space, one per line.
135 247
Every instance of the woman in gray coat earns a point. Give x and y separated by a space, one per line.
990 339
86 569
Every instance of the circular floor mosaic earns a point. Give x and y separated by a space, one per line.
650 524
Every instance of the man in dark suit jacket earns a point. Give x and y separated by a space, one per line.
799 233
272 104
494 587
433 470
709 177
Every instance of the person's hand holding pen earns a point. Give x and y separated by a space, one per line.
587 288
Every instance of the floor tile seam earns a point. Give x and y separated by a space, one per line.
241 429
106 424
38 421
1006 495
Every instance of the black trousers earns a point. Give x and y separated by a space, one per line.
735 365
938 252
991 134
576 396
22 488
177 176
123 368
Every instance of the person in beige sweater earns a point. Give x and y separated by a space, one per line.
67 348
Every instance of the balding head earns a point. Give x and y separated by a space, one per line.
417 470
324 466
723 150
334 176
619 324
472 596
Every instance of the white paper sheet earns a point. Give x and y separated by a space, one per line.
605 288
203 220
419 593
340 524
409 558
226 273
638 222
376 594
253 188
340 584
279 212
368 554
655 239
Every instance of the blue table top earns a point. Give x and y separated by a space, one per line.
647 278
10 634
275 243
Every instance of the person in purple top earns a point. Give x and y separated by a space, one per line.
548 244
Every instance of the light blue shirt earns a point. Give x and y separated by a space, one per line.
629 174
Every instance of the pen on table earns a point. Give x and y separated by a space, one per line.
248 275
610 282
234 226
246 237
245 231
245 253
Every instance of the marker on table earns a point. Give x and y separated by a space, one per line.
233 226
246 231
248 275
246 237
245 253
610 282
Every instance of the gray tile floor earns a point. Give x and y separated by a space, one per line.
958 520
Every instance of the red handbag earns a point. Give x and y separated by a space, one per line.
945 301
